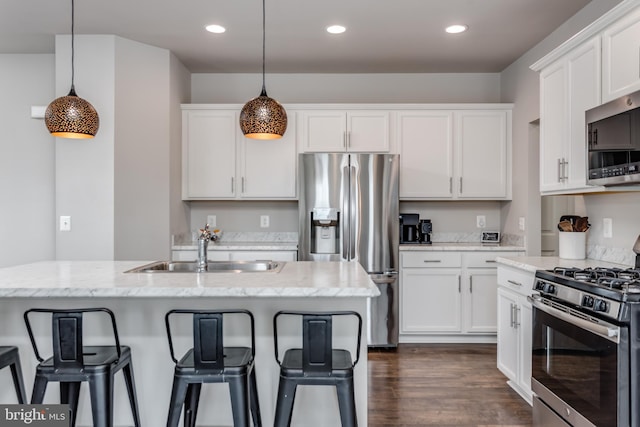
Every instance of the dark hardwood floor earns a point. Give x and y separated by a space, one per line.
441 385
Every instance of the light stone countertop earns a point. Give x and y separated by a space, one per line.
107 279
459 246
533 263
239 246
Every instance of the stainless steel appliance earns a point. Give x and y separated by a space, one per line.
613 137
586 347
425 228
409 230
348 209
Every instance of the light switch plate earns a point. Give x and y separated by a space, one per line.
607 227
65 223
211 220
264 221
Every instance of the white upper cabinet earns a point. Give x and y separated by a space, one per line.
568 88
455 154
621 57
218 162
426 159
209 154
339 130
483 154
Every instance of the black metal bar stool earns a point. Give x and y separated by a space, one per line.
209 361
73 363
9 356
316 363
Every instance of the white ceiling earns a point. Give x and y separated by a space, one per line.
383 36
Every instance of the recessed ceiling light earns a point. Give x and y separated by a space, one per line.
218 29
336 29
455 29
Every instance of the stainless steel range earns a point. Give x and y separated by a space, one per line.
586 347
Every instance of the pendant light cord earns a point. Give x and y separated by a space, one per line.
264 90
72 92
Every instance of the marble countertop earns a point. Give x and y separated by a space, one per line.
533 263
238 246
459 246
107 279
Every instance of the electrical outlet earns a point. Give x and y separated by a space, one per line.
607 227
481 221
65 223
264 221
211 220
521 223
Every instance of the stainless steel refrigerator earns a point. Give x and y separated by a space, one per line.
348 210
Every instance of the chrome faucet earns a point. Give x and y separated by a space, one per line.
203 242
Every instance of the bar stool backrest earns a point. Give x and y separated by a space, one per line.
317 344
208 341
67 332
208 337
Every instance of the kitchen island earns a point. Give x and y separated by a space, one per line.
140 301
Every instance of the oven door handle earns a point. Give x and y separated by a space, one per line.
610 332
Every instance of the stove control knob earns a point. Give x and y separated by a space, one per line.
549 289
539 285
600 305
587 301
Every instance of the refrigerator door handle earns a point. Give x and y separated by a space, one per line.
344 215
354 212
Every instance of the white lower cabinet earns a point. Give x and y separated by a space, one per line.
448 296
234 255
514 328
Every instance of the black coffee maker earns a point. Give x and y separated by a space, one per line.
425 229
409 228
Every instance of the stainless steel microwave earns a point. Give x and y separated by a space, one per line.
613 142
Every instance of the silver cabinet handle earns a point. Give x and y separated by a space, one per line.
432 260
450 185
559 170
514 283
511 314
232 186
490 260
516 316
344 139
565 175
459 284
470 284
243 184
460 185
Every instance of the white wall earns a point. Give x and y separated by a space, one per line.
348 88
520 85
27 177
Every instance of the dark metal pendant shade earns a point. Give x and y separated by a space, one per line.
263 117
71 117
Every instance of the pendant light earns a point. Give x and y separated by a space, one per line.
71 116
263 117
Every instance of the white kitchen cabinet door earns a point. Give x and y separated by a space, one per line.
209 154
568 88
482 143
268 167
430 300
554 132
508 336
621 57
481 315
345 131
425 141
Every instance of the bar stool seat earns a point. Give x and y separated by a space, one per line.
72 363
9 356
209 361
316 363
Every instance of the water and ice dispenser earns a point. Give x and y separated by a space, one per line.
325 231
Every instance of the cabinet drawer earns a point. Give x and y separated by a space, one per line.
518 280
431 259
487 259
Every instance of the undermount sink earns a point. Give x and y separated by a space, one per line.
212 267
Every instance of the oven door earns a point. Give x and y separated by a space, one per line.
575 365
